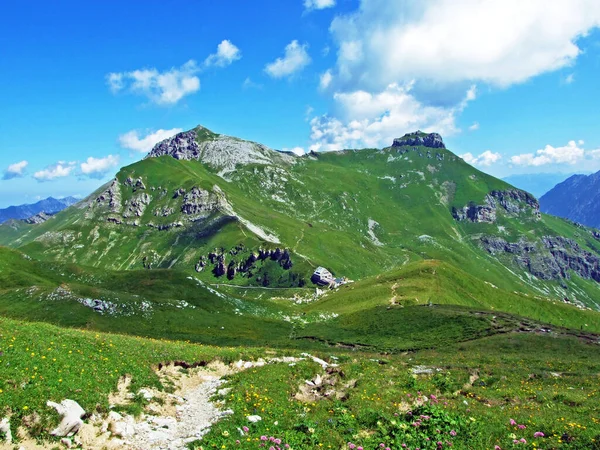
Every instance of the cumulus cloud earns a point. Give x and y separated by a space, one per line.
486 159
59 170
97 167
132 140
374 120
569 154
15 170
226 54
318 4
295 59
445 41
162 88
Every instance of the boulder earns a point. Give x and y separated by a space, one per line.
5 429
71 414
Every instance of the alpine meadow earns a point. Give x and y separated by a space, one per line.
381 289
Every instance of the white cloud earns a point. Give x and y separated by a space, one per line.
445 41
486 159
374 120
162 88
295 59
15 170
297 150
59 170
96 167
474 127
133 141
569 154
318 4
226 54
249 84
325 80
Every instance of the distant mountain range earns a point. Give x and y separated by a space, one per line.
577 199
537 183
49 205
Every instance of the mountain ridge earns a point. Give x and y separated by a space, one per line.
48 205
577 199
253 216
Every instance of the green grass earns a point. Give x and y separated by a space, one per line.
549 383
40 362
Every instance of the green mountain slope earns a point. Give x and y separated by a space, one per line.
237 212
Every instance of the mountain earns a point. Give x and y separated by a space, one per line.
49 205
238 215
536 183
576 199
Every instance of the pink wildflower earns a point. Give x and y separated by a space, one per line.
246 429
264 438
523 440
452 433
512 422
538 434
522 427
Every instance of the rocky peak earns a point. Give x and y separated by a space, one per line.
218 151
419 138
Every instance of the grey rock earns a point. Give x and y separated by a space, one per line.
38 218
512 202
551 258
417 139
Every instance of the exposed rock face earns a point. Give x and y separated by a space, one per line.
38 218
136 184
137 205
199 202
244 265
552 258
111 197
220 152
513 203
432 140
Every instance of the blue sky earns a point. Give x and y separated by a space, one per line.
88 87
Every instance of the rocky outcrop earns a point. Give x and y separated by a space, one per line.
199 202
420 139
137 205
135 184
512 203
552 258
111 197
242 265
38 218
71 414
220 152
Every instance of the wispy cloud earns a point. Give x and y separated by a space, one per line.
15 170
474 126
318 4
132 140
294 60
249 84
